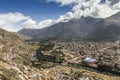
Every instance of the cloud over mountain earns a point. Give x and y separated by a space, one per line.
29 23
93 8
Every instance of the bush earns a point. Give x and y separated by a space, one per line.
78 74
46 47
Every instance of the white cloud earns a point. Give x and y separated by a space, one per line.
45 23
29 23
64 2
79 8
12 17
91 7
95 9
82 8
9 20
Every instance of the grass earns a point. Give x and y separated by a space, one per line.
44 65
9 75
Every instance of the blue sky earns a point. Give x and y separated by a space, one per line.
37 9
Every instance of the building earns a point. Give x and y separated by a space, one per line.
90 62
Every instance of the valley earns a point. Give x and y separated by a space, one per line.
77 56
58 59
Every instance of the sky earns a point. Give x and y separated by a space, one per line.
37 9
38 14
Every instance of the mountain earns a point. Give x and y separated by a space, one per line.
12 48
106 29
85 28
73 29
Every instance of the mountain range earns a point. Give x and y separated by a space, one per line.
85 28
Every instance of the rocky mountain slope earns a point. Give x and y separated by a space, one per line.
74 29
85 28
106 29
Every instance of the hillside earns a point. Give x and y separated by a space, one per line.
73 29
23 37
14 53
11 46
106 29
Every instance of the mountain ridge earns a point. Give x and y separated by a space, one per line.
106 29
86 28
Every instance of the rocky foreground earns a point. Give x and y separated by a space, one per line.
14 54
